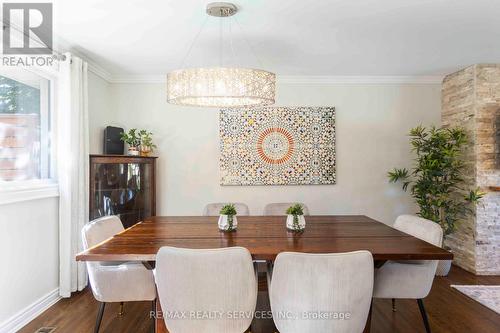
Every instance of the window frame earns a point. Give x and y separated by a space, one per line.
32 189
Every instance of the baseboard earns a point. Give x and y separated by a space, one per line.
23 317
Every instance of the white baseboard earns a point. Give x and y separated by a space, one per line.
23 317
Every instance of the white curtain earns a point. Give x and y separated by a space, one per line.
73 170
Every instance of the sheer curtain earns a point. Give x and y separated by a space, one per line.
73 170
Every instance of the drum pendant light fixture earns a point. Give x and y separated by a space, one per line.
221 86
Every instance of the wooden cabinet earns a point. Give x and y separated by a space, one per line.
123 186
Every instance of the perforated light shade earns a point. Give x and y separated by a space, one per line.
221 87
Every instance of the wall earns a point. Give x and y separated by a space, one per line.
29 242
372 123
100 112
471 99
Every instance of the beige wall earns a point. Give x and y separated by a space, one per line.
29 243
372 123
100 111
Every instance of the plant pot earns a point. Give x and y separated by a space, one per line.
228 222
443 267
295 222
145 151
133 151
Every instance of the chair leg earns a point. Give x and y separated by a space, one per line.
153 312
393 305
424 315
99 317
120 313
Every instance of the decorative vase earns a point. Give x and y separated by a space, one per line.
295 222
145 151
133 151
443 268
228 222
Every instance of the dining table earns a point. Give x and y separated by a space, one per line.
264 237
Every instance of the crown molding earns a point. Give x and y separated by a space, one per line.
301 79
99 71
343 80
139 79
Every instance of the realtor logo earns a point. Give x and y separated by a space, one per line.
27 28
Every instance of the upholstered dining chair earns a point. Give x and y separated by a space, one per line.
220 281
213 209
115 281
305 286
410 279
279 208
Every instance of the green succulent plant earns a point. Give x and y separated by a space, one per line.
296 209
228 209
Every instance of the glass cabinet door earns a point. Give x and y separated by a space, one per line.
123 189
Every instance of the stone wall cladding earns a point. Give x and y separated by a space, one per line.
487 170
471 99
458 110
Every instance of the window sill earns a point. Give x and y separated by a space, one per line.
12 192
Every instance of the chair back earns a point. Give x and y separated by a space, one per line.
213 209
279 208
421 228
306 286
100 229
220 282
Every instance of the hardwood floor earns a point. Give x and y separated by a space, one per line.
448 310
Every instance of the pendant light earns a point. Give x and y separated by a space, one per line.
226 87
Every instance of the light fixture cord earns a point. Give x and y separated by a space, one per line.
220 41
248 43
192 43
233 53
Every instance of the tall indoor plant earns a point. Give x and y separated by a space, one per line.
436 181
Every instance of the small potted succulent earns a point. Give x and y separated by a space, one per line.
147 144
133 140
227 218
295 220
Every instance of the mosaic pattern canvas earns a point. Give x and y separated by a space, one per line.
277 146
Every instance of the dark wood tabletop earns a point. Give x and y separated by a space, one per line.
264 237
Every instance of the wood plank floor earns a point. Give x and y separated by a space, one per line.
448 310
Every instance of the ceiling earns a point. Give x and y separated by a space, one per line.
289 37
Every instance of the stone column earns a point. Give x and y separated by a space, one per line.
471 99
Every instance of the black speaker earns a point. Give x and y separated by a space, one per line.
112 143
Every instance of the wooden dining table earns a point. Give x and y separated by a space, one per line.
265 237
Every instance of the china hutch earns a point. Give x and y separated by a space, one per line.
123 186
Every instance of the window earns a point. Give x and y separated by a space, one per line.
25 145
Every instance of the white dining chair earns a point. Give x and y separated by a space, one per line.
305 286
115 281
410 279
279 208
213 209
209 281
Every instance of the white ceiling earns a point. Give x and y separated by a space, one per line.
290 37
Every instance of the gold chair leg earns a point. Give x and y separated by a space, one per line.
120 313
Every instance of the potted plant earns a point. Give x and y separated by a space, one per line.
436 181
295 220
147 144
227 218
133 140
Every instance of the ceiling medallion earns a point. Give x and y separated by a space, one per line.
221 86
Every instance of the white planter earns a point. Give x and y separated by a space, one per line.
443 267
224 224
299 225
133 152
